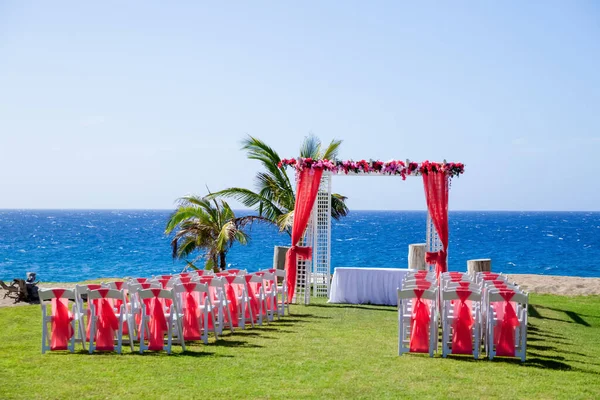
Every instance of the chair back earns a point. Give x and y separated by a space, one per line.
452 294
49 294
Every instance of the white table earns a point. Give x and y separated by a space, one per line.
366 285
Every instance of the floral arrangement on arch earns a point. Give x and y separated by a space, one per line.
392 167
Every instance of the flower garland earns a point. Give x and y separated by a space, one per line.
392 167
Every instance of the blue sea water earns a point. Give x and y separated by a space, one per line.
70 245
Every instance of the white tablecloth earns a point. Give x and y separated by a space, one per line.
366 285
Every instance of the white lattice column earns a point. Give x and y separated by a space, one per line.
322 239
433 240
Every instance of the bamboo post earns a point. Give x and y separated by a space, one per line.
416 256
480 265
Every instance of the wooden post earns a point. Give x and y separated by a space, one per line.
416 256
480 265
279 254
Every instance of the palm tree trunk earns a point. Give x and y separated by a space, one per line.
222 257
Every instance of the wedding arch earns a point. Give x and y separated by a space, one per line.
308 261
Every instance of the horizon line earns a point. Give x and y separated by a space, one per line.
249 209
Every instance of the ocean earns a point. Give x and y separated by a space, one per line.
73 245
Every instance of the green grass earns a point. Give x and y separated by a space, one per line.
320 351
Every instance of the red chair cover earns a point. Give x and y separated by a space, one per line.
464 284
462 340
184 274
107 323
147 302
490 276
62 330
191 314
252 297
141 280
158 322
506 339
165 302
232 299
118 303
185 279
419 321
92 286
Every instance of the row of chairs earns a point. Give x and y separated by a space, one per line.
471 310
183 307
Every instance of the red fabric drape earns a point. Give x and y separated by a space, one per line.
107 323
307 188
253 303
191 314
506 339
436 193
462 340
92 286
158 323
419 321
62 330
232 299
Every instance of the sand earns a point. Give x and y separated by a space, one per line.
550 284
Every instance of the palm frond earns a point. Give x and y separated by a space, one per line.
331 152
339 208
311 147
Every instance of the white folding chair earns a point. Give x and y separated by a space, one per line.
497 308
121 315
56 296
243 301
174 326
450 301
407 299
201 294
270 293
83 314
134 307
220 303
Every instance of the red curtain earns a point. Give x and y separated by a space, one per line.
436 193
307 188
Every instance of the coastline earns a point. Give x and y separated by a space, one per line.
538 284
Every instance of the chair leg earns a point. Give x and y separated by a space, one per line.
92 334
205 330
229 317
212 316
142 329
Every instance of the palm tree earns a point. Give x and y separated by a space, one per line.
274 198
208 225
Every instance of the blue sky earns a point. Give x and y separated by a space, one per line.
133 104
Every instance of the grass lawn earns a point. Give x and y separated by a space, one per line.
320 351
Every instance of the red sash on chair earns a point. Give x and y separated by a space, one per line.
462 339
165 302
231 299
147 302
419 321
107 323
118 303
93 286
253 302
62 330
141 280
158 322
191 313
506 339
